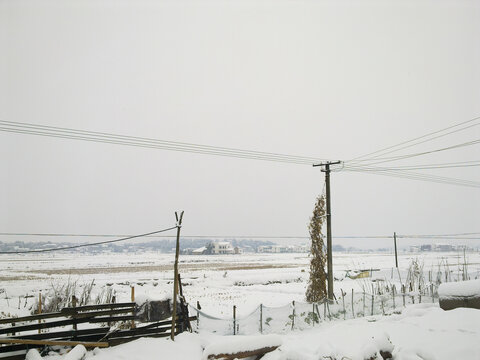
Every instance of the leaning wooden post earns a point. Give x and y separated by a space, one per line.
132 297
198 316
175 277
293 314
40 309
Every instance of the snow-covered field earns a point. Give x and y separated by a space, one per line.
273 280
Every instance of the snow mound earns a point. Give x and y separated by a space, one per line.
469 288
239 343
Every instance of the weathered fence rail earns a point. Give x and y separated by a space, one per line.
17 337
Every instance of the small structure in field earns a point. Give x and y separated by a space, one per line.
459 294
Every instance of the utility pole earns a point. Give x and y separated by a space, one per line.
179 218
326 170
395 244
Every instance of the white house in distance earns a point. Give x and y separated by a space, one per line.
222 247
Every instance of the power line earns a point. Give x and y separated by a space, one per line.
422 166
152 235
402 157
418 176
89 244
75 134
422 137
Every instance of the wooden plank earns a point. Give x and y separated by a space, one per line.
137 332
243 354
101 306
83 338
15 357
66 311
109 319
67 333
83 318
53 342
36 326
92 314
31 318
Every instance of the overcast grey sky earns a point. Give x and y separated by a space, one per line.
329 79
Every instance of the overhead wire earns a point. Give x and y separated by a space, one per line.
88 244
420 137
286 237
407 156
473 163
75 134
419 176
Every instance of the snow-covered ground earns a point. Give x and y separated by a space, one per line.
273 280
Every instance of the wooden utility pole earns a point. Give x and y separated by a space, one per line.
395 244
175 278
326 170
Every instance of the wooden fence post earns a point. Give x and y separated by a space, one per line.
40 309
364 309
133 300
198 315
74 305
373 300
313 314
261 318
234 320
353 309
293 314
393 296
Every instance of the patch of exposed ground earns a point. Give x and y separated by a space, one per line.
18 277
157 268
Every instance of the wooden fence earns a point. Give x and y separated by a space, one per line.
27 332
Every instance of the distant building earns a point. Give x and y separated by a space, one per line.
426 247
444 247
223 247
199 251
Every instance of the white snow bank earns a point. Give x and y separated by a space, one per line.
33 354
422 331
77 353
239 343
186 346
348 340
469 288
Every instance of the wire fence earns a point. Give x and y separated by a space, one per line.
301 315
